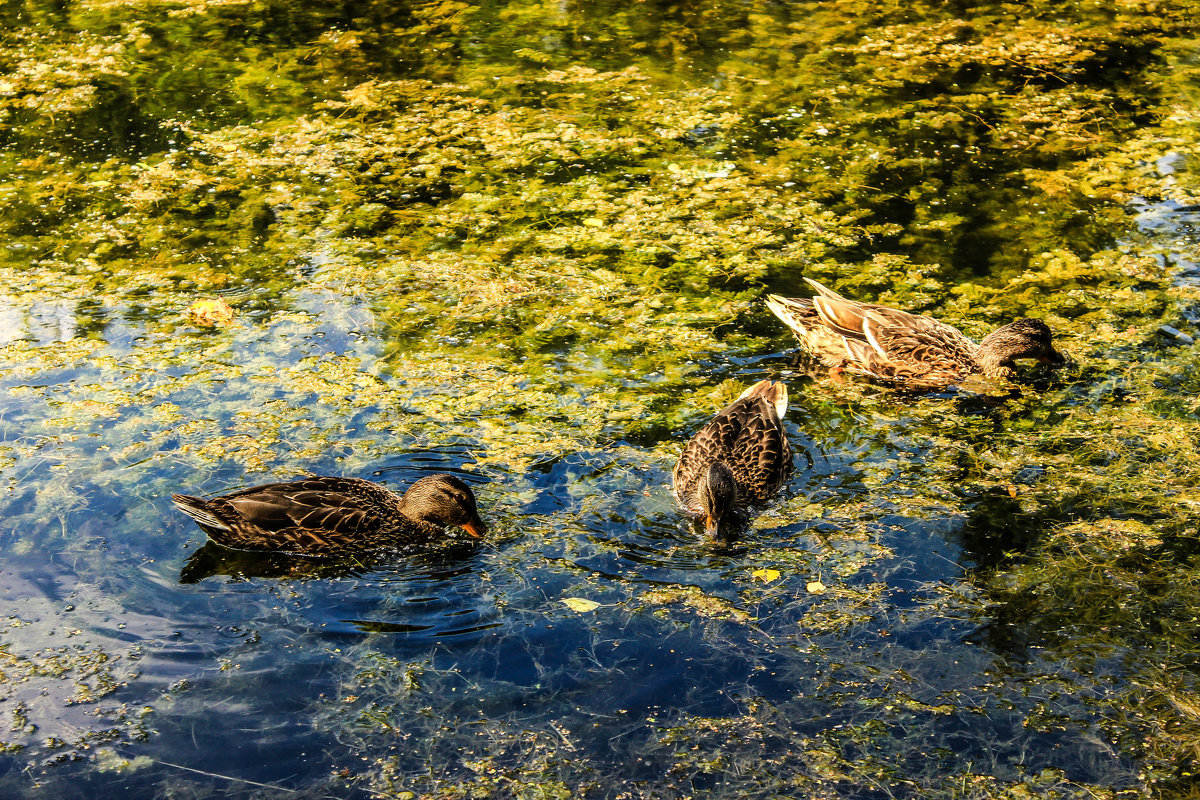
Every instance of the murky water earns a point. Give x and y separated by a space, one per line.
536 294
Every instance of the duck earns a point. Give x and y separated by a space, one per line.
327 516
900 347
739 459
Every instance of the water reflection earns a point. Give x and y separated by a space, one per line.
213 559
40 322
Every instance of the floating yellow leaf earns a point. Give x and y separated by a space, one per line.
594 222
766 575
211 312
580 604
815 587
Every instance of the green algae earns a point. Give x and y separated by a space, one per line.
548 252
51 691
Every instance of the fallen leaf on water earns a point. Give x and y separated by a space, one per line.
211 312
815 587
580 604
766 575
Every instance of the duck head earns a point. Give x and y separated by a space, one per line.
717 493
1024 338
444 500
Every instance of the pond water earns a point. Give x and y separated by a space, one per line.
527 245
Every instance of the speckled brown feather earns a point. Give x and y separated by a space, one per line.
329 515
930 353
749 437
898 346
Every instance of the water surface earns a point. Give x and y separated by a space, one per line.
528 246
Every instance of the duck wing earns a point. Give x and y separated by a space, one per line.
799 314
849 317
706 447
831 326
760 457
880 341
920 350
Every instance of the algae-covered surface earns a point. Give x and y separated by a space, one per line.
527 243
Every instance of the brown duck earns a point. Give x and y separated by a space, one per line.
328 516
894 345
739 458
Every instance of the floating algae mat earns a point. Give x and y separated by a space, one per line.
528 244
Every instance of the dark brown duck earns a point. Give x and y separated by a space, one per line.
328 516
739 459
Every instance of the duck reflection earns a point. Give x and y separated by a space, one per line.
434 561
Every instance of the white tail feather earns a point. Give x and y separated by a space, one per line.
776 394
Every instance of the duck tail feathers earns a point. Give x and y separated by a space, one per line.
196 508
823 291
791 311
775 393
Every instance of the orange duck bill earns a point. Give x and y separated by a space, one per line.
475 526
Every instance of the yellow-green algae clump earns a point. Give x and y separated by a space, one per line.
548 251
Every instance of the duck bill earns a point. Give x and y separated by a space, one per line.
475 526
712 527
1053 357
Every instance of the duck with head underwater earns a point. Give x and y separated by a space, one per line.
326 516
900 347
739 459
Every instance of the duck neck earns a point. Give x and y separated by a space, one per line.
414 519
402 531
992 357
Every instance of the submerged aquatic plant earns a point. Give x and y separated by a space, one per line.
462 235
